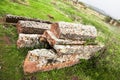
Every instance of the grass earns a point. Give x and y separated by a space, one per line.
105 66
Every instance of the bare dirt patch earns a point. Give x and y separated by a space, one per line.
6 40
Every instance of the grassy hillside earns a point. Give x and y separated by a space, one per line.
102 67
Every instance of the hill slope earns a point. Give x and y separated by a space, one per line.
102 67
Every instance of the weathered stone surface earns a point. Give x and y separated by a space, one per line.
67 44
53 40
31 27
14 19
85 50
45 60
27 40
65 30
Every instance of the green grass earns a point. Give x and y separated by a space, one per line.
105 66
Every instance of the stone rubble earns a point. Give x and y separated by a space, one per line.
53 40
69 43
45 60
66 43
88 50
32 27
28 40
65 30
14 19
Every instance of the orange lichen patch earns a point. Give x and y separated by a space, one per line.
30 67
55 29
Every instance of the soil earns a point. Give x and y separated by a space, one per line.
6 40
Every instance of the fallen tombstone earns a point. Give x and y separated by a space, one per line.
31 27
88 50
14 19
45 60
32 40
65 30
28 40
53 40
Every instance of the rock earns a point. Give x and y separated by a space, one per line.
32 27
53 40
45 60
67 44
65 30
14 19
84 51
28 40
